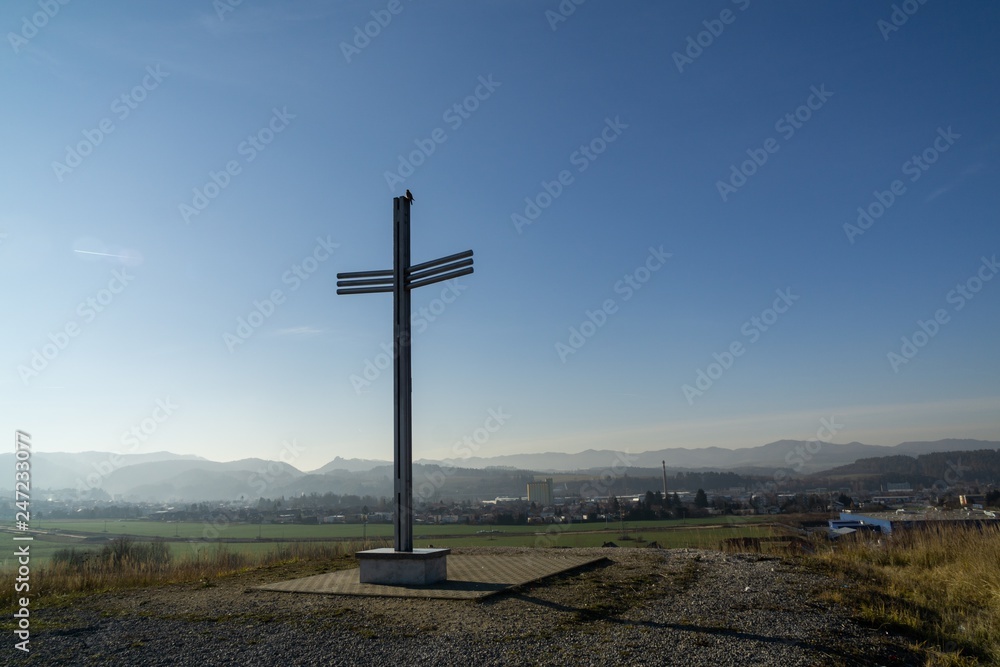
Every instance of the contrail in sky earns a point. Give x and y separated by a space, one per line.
102 254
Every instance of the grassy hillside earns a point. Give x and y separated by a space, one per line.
940 585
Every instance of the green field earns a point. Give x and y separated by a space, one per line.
205 530
187 538
706 537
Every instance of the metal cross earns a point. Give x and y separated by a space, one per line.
400 280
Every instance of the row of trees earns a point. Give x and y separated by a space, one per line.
655 506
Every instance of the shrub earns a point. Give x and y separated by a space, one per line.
124 551
72 557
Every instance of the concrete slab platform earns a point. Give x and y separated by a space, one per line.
412 568
469 577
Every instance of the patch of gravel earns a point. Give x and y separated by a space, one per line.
645 607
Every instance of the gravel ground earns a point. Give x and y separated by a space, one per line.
645 607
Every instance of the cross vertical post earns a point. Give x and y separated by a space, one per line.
403 564
403 394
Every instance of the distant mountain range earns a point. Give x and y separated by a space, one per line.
805 456
350 465
164 476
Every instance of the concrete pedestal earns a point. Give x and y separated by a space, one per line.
415 568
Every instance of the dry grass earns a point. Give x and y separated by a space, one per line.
940 585
124 565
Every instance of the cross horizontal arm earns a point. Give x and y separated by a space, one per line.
364 290
442 260
439 269
366 274
437 279
359 283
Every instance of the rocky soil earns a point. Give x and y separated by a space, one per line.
644 607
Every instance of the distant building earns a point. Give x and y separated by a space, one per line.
895 500
502 500
969 500
540 493
886 522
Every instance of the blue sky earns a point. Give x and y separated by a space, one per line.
173 163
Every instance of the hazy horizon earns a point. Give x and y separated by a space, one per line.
694 225
458 460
